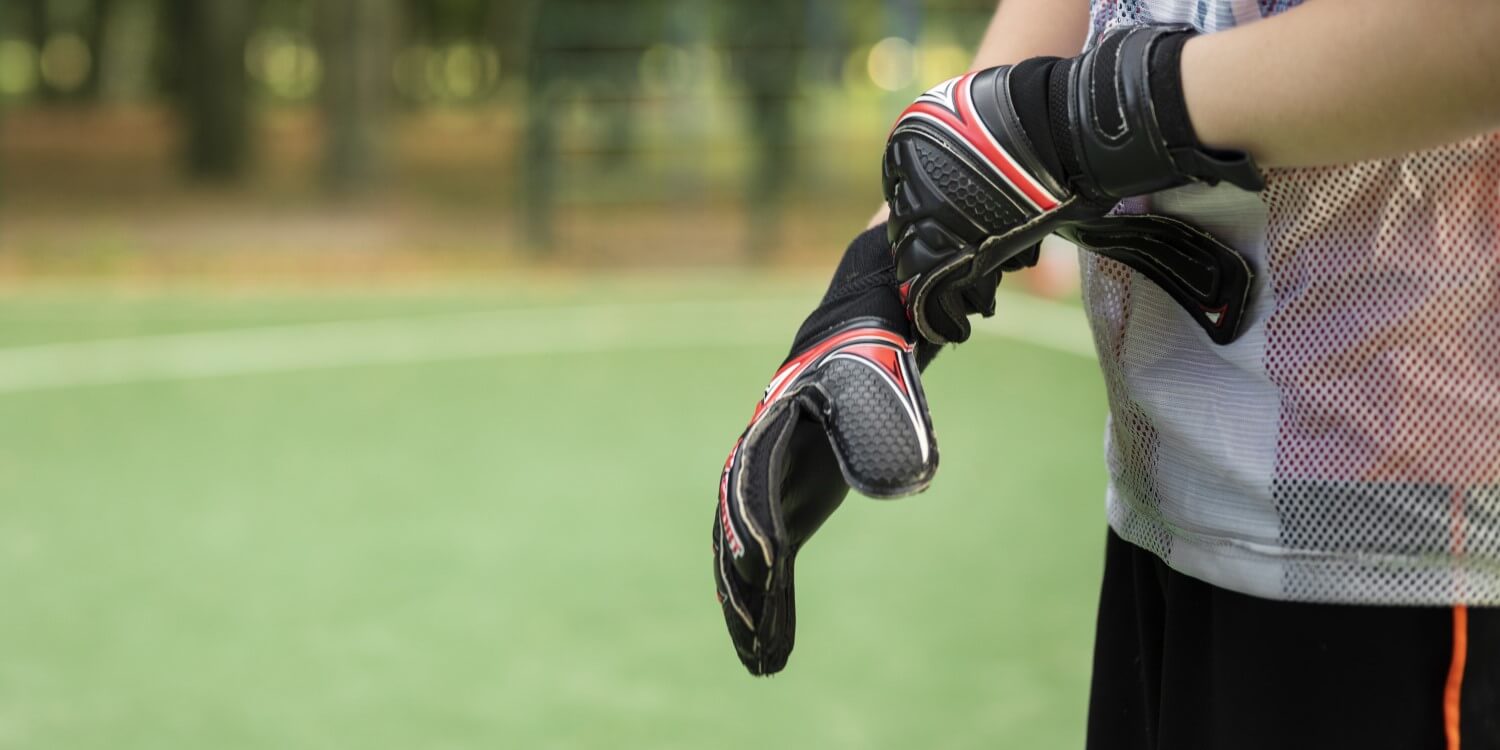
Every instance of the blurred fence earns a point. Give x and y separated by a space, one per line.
620 131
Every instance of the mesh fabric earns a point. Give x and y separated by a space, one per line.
1347 447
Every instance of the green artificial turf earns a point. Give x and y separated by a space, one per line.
513 551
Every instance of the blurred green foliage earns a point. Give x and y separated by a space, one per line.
632 100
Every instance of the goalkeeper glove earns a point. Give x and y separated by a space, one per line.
981 167
845 409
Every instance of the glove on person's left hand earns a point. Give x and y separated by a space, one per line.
845 409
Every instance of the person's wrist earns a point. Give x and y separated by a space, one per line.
863 286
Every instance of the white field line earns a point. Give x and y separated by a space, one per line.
529 331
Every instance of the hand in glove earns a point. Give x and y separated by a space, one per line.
845 409
981 167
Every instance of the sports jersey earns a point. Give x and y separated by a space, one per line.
1346 448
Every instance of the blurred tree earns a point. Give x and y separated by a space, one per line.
444 20
356 38
765 41
69 37
828 41
457 49
594 48
95 27
206 67
539 164
507 27
128 37
903 20
38 30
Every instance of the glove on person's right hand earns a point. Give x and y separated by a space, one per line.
981 167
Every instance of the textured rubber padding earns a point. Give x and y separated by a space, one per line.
875 437
941 203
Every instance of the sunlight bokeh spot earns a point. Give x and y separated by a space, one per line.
66 62
17 67
892 64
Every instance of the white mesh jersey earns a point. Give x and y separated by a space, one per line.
1347 447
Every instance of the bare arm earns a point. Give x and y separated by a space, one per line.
1027 28
1336 81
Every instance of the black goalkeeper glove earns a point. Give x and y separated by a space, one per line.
981 167
845 409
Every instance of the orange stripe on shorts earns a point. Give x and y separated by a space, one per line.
1454 690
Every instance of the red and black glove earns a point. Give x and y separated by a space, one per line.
983 166
844 410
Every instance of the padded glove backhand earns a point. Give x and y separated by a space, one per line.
845 410
981 167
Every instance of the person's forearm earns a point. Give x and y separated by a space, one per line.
1336 81
1026 28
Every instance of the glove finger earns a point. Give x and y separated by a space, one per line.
947 309
1025 259
876 417
815 486
980 296
937 314
732 593
941 300
752 549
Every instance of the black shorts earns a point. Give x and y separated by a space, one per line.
1182 664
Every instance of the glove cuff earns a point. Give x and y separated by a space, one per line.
863 286
1127 115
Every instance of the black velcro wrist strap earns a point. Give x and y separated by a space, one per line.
1129 115
1166 92
1189 154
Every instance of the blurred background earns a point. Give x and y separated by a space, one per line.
366 367
369 136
